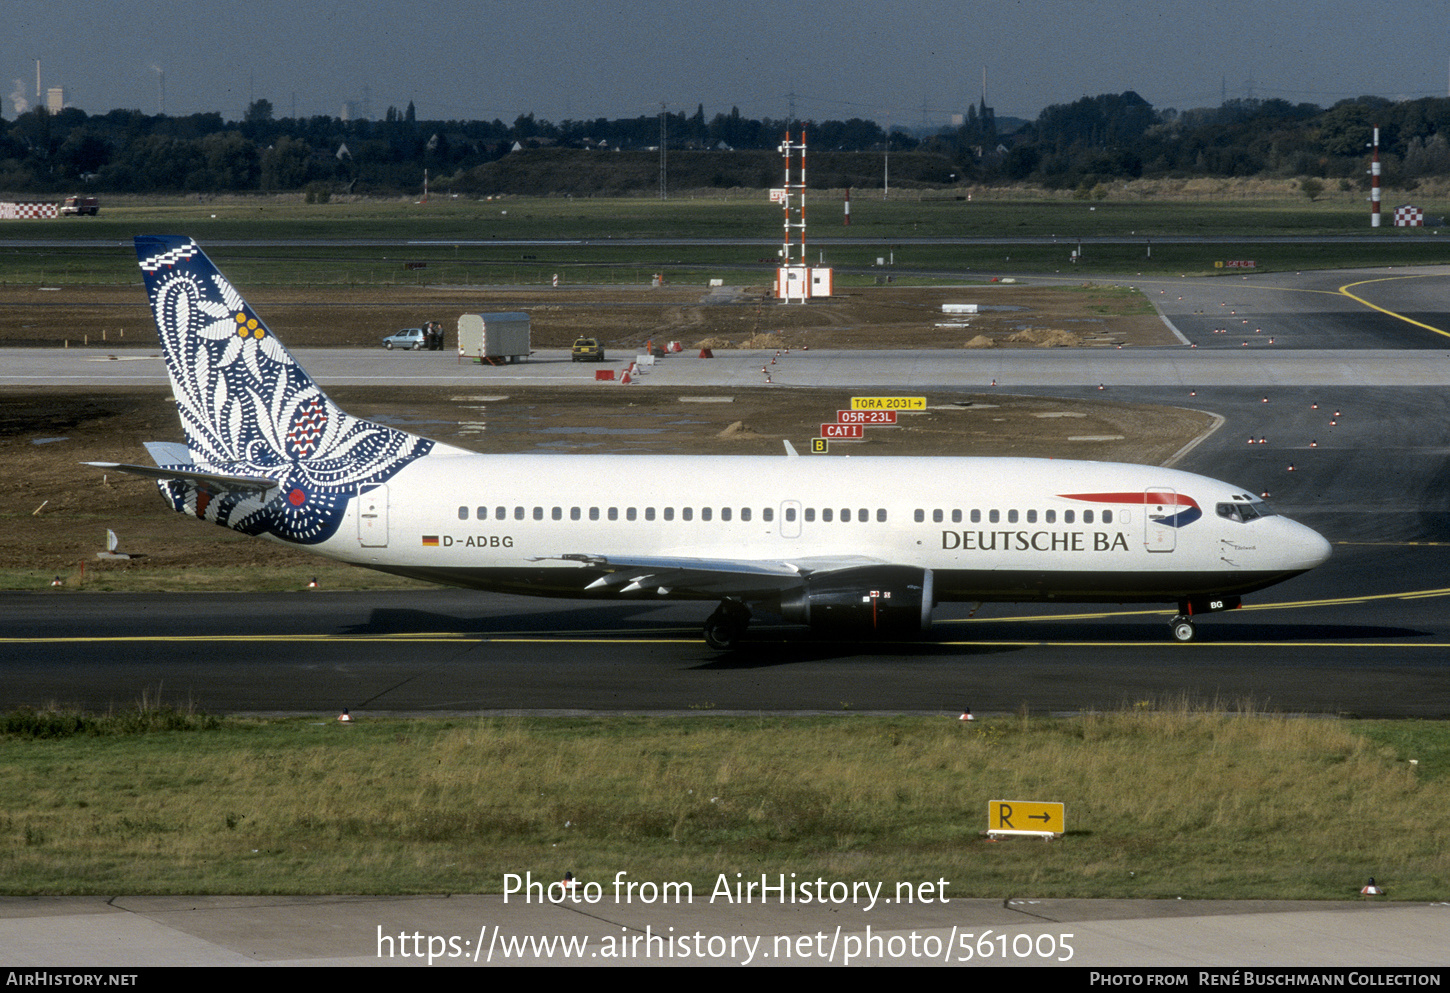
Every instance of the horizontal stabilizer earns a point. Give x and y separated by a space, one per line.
215 481
169 453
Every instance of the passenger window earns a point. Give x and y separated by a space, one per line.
936 517
810 514
614 513
956 517
538 513
669 513
724 513
1051 516
1068 516
649 513
994 516
919 516
557 513
594 513
574 514
1107 517
518 513
463 513
501 513
825 515
704 513
745 514
1087 516
629 513
1011 517
1032 517
687 514
789 513
881 515
976 517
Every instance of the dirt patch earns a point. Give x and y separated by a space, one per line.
872 317
54 512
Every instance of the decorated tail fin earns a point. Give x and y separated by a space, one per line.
251 414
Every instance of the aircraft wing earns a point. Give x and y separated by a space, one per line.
709 576
215 482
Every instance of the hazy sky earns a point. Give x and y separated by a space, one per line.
560 59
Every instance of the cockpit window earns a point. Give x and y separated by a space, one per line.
1244 512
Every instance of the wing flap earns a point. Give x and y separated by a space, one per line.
710 576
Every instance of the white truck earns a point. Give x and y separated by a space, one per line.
494 339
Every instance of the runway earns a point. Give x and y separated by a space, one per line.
1351 439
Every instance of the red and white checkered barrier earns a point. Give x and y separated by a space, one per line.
1409 216
12 211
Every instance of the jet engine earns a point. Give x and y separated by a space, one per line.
885 600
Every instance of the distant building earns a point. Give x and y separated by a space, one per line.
55 99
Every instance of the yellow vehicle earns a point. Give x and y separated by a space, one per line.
588 350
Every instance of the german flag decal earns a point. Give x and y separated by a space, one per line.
430 541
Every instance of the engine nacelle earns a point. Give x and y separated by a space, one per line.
876 599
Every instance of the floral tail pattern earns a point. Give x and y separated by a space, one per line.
248 409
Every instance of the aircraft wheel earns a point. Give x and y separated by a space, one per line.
722 635
726 626
1183 629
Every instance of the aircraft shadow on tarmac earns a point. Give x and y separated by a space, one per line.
771 645
766 653
766 649
1215 631
604 619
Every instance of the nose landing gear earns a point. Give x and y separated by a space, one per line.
1182 627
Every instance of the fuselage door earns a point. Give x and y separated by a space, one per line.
1159 507
372 515
790 519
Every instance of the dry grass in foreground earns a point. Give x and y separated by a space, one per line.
1161 802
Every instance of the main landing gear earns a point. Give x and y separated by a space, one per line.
726 626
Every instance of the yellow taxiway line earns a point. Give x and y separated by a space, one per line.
1384 310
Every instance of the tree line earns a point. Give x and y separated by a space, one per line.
1089 141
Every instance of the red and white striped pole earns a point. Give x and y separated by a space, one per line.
847 222
1374 183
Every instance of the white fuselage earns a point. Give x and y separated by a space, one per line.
988 528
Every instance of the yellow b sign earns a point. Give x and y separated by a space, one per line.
1025 817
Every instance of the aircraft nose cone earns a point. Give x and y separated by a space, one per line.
1312 547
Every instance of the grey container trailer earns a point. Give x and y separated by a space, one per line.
494 338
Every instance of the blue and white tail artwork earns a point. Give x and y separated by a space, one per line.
267 453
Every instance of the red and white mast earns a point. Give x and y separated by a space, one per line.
1374 182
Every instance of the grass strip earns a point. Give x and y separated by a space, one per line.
1162 801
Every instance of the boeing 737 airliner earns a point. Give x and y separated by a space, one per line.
861 545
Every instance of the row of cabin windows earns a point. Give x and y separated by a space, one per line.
827 514
1028 517
611 513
